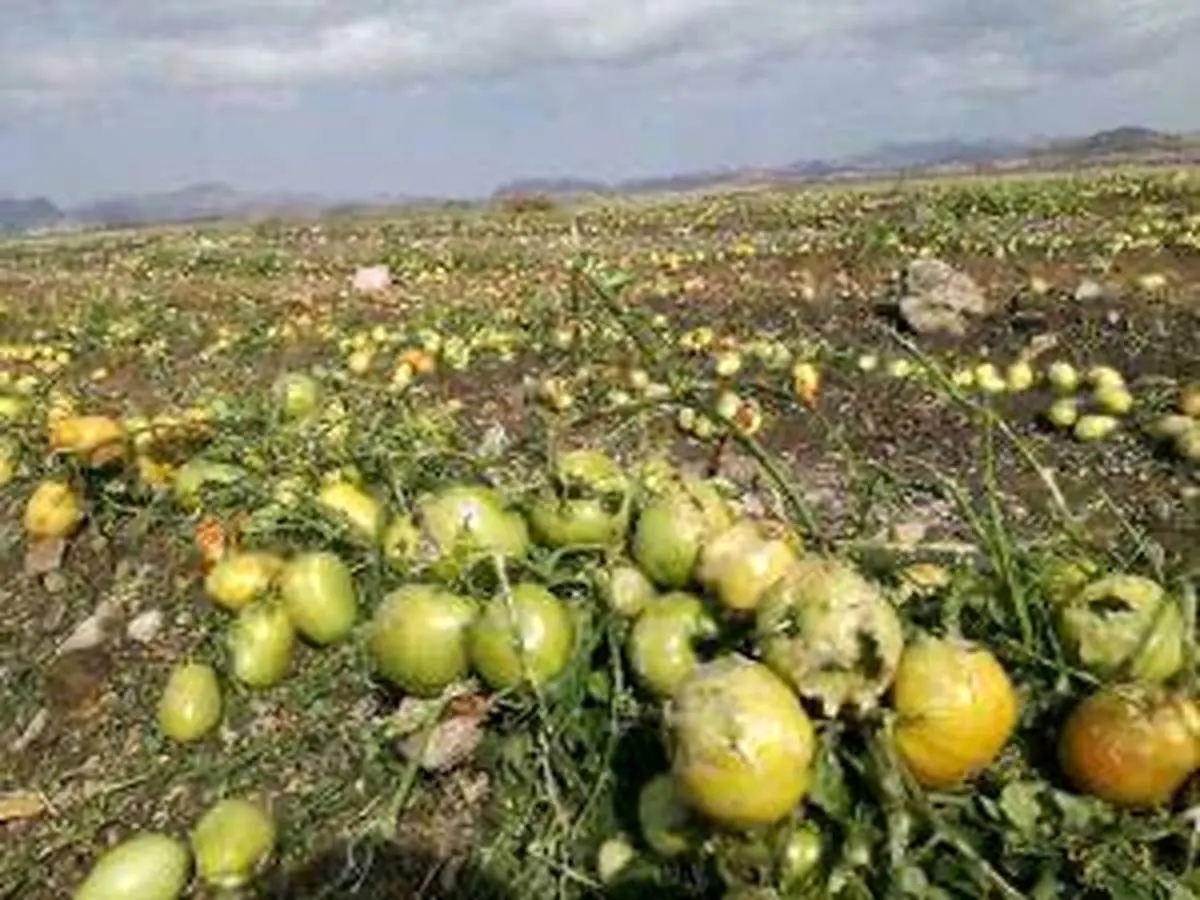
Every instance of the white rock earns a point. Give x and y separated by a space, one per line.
372 278
144 627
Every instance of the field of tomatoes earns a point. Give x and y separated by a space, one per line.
620 551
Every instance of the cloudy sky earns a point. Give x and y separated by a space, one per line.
362 97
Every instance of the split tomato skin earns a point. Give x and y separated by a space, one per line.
1132 745
956 710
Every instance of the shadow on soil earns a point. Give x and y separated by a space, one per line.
380 870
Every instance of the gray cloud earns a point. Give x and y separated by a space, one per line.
240 47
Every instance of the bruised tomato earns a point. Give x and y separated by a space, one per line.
738 565
956 709
741 746
1132 745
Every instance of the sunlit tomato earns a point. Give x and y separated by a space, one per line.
354 507
956 709
1133 745
319 596
739 564
297 394
587 503
418 640
525 636
232 842
261 643
672 528
662 642
741 746
145 866
190 705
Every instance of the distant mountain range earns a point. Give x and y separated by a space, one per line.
212 201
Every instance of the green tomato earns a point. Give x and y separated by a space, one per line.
297 394
668 827
527 635
463 524
232 842
799 853
625 589
195 475
1104 624
261 644
672 529
146 867
319 596
190 705
663 638
588 502
418 638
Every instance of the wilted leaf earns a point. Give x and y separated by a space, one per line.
44 555
21 805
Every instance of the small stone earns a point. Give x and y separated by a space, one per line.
371 279
1089 290
145 626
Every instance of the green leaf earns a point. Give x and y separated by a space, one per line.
829 790
1020 803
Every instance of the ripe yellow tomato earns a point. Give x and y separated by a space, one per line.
1133 746
956 707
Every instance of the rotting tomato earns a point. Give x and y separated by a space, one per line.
319 596
525 636
662 642
831 634
956 709
741 746
417 638
1123 622
588 502
54 510
672 528
96 440
1133 745
241 577
738 565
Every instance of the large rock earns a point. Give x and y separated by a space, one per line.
939 299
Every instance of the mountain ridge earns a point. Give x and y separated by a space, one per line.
210 200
